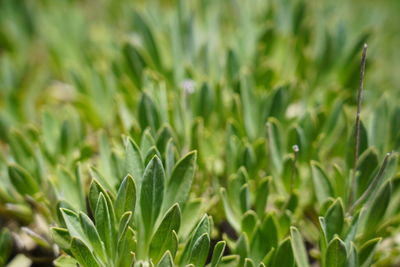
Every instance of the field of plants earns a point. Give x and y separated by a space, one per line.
199 133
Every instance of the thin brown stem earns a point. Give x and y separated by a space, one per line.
358 123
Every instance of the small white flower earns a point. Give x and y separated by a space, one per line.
188 86
295 148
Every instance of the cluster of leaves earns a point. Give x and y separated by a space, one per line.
192 133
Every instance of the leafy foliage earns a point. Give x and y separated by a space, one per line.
197 133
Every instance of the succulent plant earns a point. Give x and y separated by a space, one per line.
199 133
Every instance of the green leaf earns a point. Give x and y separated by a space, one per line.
266 261
166 260
265 238
230 261
269 230
5 244
73 224
61 237
275 144
124 223
367 252
169 158
190 216
249 222
162 237
352 260
334 219
93 236
352 230
230 215
147 37
104 225
336 254
279 102
153 151
181 180
203 227
126 244
82 253
322 186
379 125
199 252
242 247
94 193
126 197
367 165
65 261
298 248
70 188
163 136
236 197
146 141
284 254
106 182
323 238
249 108
148 113
217 253
152 192
133 161
22 180
244 198
105 154
135 63
249 263
262 196
205 102
378 207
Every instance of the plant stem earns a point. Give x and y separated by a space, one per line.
358 123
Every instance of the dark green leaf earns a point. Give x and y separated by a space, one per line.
284 255
162 237
336 254
148 113
334 219
367 252
217 253
199 252
378 208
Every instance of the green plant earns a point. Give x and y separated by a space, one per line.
198 133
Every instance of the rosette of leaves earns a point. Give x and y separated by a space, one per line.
144 220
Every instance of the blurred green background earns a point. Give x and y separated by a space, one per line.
45 45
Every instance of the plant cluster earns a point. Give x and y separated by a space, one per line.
193 133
